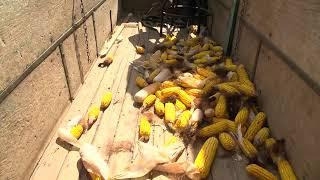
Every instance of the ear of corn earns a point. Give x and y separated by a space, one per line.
285 170
143 93
205 72
245 89
170 113
149 101
221 107
93 112
201 54
227 142
153 74
164 56
106 100
262 135
206 156
194 92
227 89
242 116
141 83
205 47
167 92
248 149
259 172
255 126
229 62
234 77
145 128
216 48
208 87
198 76
183 121
184 98
243 76
201 61
216 128
170 61
167 84
180 106
76 131
159 107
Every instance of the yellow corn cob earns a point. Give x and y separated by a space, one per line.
167 84
170 61
261 136
194 92
285 170
216 48
153 74
169 113
205 72
180 106
164 56
221 107
198 76
205 47
227 89
184 98
230 67
201 54
145 128
106 100
206 156
260 173
242 116
216 128
171 140
183 120
243 76
200 61
159 107
245 89
269 144
172 52
208 87
229 62
212 60
227 141
215 119
255 126
167 92
141 83
76 131
149 100
248 149
93 112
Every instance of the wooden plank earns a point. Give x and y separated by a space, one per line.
69 170
53 158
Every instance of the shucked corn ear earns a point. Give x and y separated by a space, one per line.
141 83
259 172
76 131
221 107
183 121
149 100
227 142
93 112
262 135
245 89
184 98
167 84
170 91
170 61
269 144
169 113
285 170
164 56
205 72
216 128
145 128
242 116
208 87
143 93
255 126
201 54
206 156
159 107
227 89
194 92
243 76
106 100
248 149
180 106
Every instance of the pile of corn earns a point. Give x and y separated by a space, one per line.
200 93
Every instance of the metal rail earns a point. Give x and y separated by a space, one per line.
48 52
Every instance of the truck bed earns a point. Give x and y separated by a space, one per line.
120 121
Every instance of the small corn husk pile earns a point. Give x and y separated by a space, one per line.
199 93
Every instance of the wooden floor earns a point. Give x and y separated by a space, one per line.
119 122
